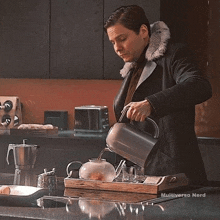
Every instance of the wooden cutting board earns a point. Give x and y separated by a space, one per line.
15 131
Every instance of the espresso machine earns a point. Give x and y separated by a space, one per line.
24 159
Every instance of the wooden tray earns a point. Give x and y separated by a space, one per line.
152 184
15 131
108 195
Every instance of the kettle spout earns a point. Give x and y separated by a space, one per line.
119 168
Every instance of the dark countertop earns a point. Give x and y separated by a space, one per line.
202 203
89 135
58 134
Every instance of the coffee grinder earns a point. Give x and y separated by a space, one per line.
24 159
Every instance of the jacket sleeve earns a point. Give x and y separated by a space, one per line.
190 87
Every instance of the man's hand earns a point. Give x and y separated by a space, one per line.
138 111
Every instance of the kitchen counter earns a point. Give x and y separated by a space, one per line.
202 203
57 151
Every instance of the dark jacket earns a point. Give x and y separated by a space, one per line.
182 86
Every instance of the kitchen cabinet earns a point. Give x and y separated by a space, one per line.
55 151
24 36
60 39
76 32
79 47
64 39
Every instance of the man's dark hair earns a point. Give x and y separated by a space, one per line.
131 17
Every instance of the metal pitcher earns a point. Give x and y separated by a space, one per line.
24 155
24 159
131 143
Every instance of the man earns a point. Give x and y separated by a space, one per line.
162 81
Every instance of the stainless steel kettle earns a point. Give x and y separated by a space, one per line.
131 143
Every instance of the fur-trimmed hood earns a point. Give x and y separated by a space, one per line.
160 34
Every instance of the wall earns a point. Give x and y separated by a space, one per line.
39 95
209 112
197 24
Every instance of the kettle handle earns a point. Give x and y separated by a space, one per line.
156 128
10 147
69 174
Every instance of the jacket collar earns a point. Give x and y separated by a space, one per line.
160 34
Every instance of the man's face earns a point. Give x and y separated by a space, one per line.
127 44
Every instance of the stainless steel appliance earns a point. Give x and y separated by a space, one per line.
24 159
131 143
91 119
